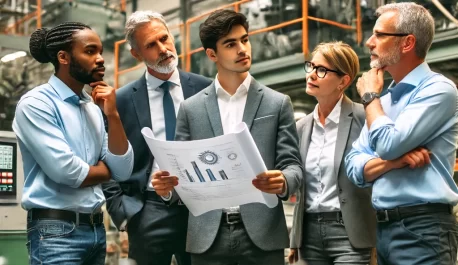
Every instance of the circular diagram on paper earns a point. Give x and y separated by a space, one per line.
232 156
209 158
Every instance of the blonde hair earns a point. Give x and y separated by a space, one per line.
341 56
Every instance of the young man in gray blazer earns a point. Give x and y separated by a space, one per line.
252 233
156 226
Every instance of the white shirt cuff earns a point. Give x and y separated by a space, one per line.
168 197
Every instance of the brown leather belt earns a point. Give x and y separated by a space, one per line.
63 215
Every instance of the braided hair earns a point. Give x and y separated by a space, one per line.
46 43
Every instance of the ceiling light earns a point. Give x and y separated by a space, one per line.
13 56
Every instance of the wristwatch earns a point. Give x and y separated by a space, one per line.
368 97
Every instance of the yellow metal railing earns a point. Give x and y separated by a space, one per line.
186 51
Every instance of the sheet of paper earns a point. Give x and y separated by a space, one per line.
213 173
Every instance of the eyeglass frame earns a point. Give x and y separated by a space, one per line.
314 68
389 34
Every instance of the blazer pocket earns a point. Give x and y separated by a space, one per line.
264 117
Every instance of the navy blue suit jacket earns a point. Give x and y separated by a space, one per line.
125 199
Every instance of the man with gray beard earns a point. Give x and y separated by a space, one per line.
156 225
406 150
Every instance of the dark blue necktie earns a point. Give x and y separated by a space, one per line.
169 112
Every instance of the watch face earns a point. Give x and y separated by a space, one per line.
366 98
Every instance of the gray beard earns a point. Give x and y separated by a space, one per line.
391 59
164 69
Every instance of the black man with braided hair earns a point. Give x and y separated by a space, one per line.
66 151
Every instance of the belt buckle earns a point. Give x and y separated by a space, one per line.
231 222
385 217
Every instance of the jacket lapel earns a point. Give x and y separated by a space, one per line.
343 131
141 103
306 136
211 104
186 84
253 101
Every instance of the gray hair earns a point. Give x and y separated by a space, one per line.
413 19
138 19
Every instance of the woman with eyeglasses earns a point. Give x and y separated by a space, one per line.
334 222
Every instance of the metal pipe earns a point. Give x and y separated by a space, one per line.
359 31
305 27
38 13
445 11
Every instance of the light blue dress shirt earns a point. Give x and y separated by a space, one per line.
421 111
60 135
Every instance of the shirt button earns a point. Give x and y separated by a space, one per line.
374 199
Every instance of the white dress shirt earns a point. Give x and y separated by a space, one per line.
231 109
155 96
320 174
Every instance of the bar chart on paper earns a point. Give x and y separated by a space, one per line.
213 173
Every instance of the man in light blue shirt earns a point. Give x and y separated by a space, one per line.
406 151
66 152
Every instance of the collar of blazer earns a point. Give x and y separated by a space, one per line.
140 96
254 97
345 121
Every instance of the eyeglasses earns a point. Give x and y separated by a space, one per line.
321 71
382 34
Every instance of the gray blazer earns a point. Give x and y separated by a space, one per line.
355 203
269 116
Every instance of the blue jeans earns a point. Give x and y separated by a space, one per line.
52 242
326 242
428 239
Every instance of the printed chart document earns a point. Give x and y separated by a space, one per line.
213 173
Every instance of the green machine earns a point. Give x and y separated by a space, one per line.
13 236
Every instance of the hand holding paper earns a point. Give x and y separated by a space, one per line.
271 181
163 183
214 173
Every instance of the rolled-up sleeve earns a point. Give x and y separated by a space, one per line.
356 160
417 123
36 126
120 166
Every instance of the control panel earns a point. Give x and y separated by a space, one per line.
8 177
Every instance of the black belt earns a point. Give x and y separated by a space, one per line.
324 216
69 216
231 218
399 213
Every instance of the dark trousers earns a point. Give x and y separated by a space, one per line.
157 232
427 239
233 246
325 242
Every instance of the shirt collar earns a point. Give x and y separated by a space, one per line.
334 116
409 82
64 92
243 88
154 83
